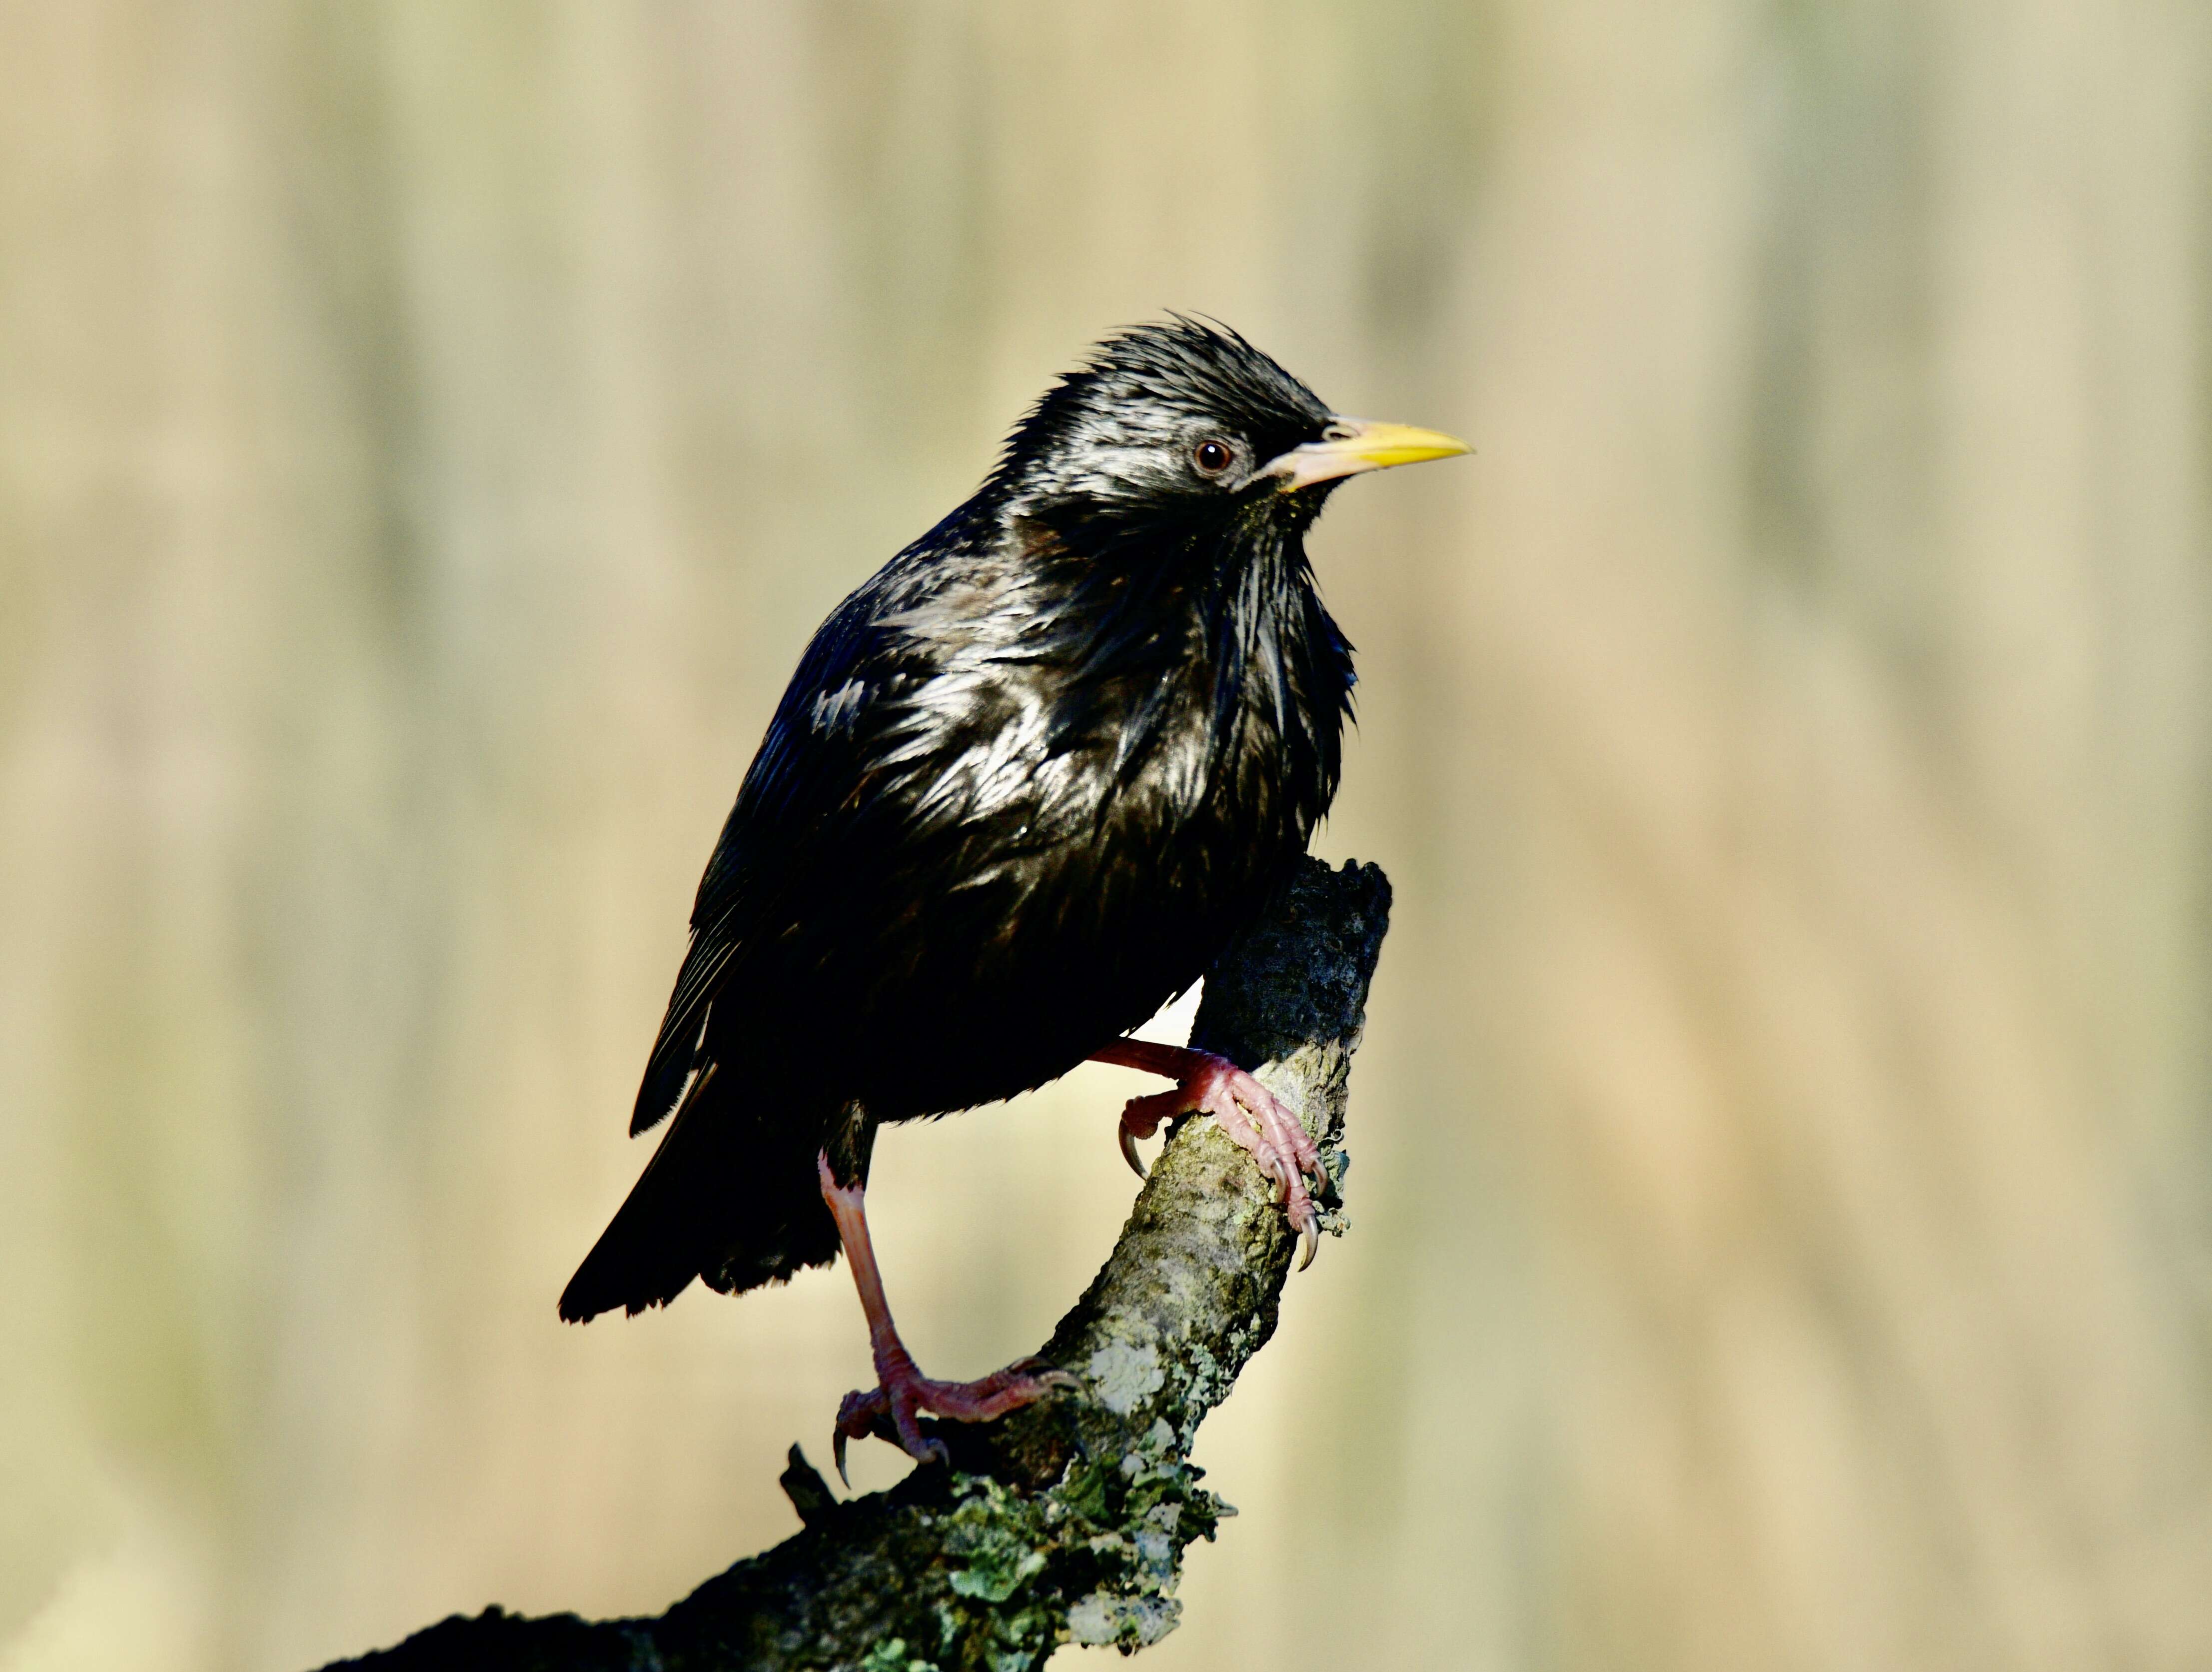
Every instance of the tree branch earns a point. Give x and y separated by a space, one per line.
1068 1519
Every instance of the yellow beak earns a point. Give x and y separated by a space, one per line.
1352 445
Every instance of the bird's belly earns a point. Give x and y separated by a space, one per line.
1015 982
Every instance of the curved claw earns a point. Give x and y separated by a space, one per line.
1249 1115
1045 1375
892 1410
1129 1153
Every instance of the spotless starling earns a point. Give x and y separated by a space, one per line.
1028 781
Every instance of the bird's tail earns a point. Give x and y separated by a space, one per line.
730 1195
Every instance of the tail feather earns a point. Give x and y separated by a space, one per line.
728 1196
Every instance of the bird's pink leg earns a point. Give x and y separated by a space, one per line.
903 1392
1246 1110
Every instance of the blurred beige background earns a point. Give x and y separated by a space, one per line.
1782 1216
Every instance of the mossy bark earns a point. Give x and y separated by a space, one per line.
1068 1520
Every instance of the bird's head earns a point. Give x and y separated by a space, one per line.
1186 423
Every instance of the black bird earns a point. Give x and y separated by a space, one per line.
1027 783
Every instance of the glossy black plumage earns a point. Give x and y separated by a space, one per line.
1026 782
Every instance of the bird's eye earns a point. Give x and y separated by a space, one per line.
1212 456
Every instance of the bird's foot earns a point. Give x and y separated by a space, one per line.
1254 1119
894 1407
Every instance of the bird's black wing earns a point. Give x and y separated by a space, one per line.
945 746
897 738
810 764
874 786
